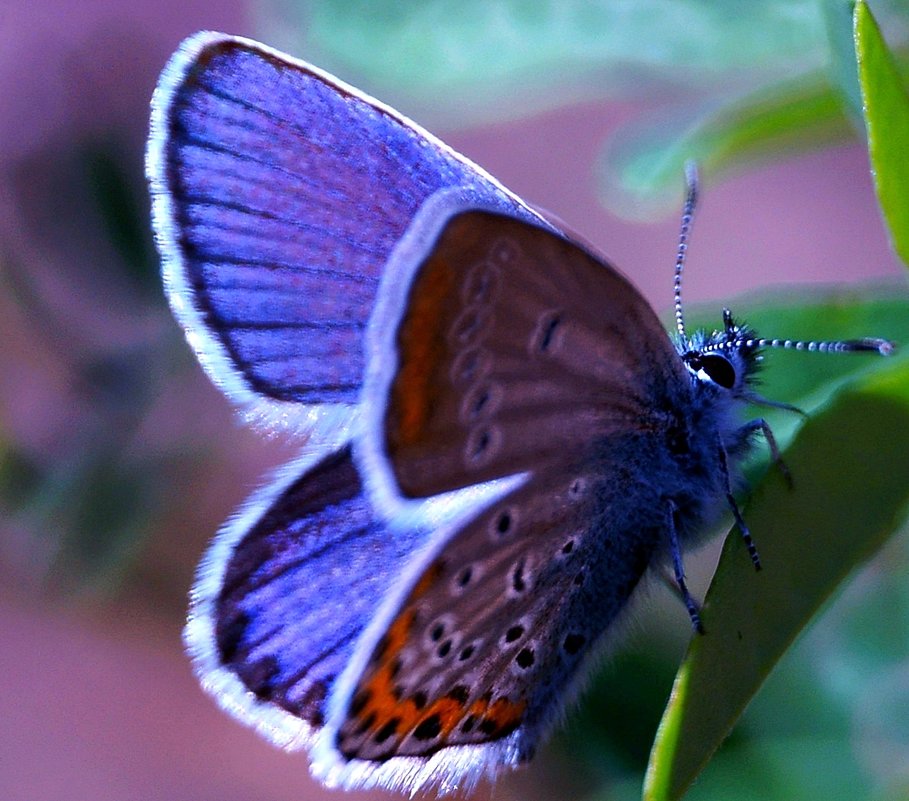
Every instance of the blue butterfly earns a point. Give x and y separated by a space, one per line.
501 438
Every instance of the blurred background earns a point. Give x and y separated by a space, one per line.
119 460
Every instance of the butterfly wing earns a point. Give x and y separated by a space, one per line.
503 347
278 194
499 347
468 668
285 591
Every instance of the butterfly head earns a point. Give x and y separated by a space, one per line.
726 359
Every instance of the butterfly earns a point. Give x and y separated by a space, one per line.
501 438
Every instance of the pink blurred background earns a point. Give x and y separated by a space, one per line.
96 696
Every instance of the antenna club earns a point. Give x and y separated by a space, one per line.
883 346
691 176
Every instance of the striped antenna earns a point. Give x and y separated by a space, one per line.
882 346
867 344
691 199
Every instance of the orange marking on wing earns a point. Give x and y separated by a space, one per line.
450 712
382 702
420 346
498 718
383 705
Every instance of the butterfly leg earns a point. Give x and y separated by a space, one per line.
761 425
739 520
678 567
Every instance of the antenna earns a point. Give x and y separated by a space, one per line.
738 338
691 199
883 346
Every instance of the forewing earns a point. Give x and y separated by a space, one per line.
510 348
285 591
278 193
489 640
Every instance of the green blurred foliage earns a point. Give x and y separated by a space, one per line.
492 49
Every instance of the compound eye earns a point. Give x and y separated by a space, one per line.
718 369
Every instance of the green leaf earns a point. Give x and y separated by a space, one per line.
514 56
851 492
886 108
638 170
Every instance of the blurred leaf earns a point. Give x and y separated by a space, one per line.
638 171
485 54
886 108
123 215
810 539
620 712
808 768
108 521
93 513
20 476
